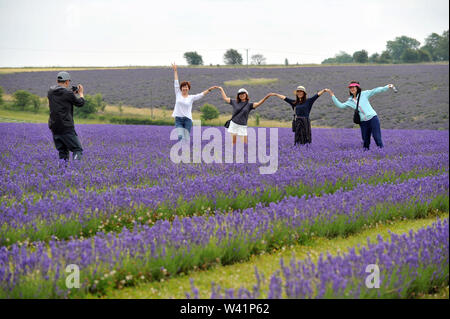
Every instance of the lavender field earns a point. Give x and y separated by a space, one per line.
128 216
422 102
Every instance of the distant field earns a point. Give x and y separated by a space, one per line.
422 101
9 115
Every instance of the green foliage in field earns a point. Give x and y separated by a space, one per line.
1 95
257 119
209 112
93 104
23 99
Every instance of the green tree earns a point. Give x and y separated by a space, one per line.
374 58
22 99
409 56
209 112
100 104
193 58
286 62
442 48
257 119
90 106
36 101
398 46
424 55
385 57
343 57
329 61
432 44
361 56
232 57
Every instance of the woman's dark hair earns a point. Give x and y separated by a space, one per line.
185 83
239 100
358 89
300 100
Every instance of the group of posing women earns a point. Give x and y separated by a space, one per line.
301 105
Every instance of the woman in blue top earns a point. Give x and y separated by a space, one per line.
302 107
370 124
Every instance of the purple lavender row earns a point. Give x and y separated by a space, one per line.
405 264
148 253
31 215
129 155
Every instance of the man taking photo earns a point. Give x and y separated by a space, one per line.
62 97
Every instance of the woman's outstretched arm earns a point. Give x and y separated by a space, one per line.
224 96
175 82
278 95
378 90
338 103
210 89
255 105
200 95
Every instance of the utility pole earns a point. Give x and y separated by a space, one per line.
247 57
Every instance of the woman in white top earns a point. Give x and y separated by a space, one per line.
182 111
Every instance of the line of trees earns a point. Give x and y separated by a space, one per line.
231 57
401 50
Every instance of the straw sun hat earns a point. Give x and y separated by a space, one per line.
300 88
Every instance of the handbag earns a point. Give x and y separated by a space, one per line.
227 123
356 118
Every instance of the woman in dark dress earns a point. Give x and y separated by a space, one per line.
302 107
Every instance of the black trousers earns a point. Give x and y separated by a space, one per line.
371 127
302 130
68 142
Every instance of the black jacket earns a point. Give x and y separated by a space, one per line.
61 101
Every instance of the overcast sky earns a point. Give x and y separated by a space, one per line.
135 32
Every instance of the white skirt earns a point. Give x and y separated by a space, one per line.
237 129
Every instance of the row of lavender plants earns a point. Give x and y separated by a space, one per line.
166 249
121 156
83 213
407 264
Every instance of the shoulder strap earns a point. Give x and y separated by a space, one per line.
357 103
239 111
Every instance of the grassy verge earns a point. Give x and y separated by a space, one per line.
250 81
241 274
128 115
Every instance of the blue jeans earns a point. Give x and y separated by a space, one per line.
371 128
183 125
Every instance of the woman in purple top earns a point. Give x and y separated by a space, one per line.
302 107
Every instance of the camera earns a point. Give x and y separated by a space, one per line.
75 88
